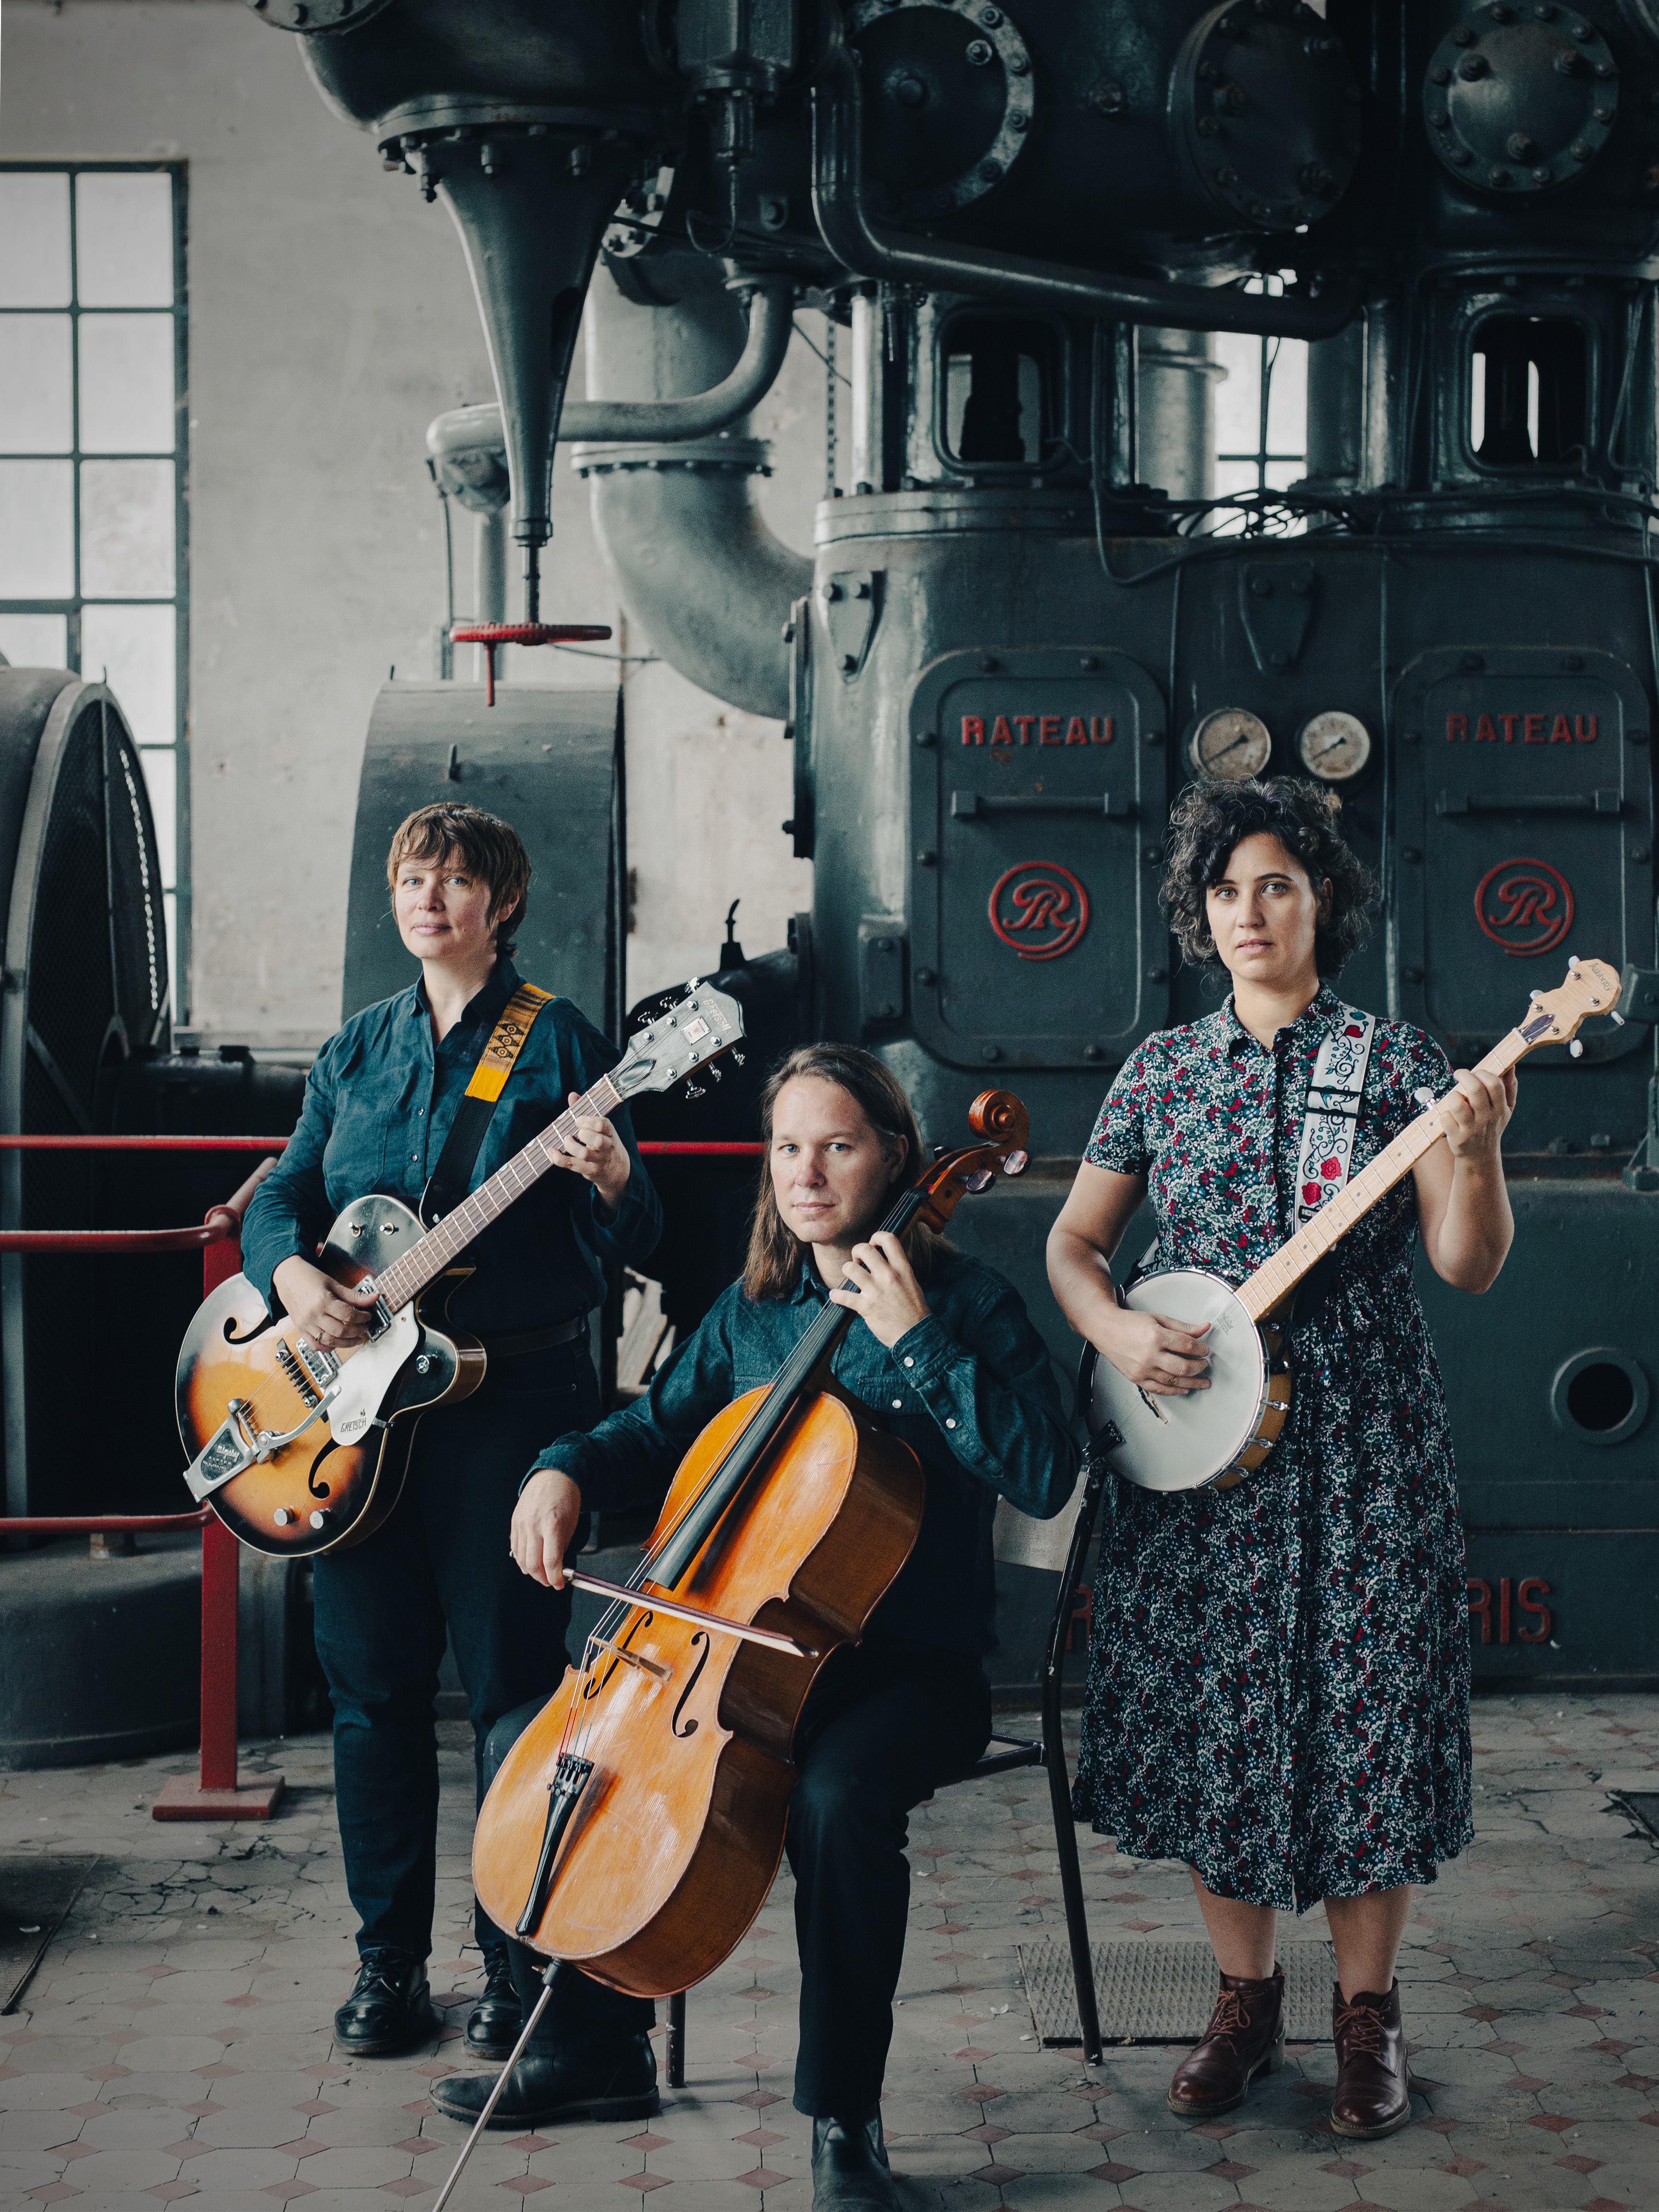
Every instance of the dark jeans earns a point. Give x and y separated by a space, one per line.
381 1610
884 1726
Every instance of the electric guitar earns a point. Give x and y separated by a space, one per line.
1215 1437
300 1449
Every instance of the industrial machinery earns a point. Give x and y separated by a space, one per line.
1029 620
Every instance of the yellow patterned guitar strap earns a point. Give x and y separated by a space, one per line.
451 1178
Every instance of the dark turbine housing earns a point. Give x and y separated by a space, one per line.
1029 620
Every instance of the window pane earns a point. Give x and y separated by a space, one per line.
136 645
1239 395
37 530
126 528
1287 400
127 390
161 774
35 640
34 239
35 415
124 239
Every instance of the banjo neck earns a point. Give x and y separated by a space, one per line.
1274 1281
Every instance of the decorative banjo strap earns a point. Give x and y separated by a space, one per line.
1332 1114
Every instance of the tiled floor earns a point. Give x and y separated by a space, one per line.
175 2042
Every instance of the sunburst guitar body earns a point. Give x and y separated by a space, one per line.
244 1378
301 1448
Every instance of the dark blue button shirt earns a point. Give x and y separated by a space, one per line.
377 1107
970 1390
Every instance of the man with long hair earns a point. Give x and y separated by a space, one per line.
943 1350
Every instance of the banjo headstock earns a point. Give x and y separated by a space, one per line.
1555 1017
1001 1122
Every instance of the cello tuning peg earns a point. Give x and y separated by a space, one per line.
1575 1049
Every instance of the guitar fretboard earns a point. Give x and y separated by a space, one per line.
1274 1281
411 1273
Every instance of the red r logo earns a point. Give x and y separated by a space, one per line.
1525 906
1040 909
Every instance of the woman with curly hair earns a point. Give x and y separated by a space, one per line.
1280 1697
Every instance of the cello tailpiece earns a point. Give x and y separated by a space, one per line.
563 1795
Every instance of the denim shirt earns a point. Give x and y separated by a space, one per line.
970 1390
379 1104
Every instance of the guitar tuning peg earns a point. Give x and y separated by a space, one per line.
694 1091
1575 1049
715 1072
737 1060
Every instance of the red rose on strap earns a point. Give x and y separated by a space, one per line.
1311 1193
1330 1170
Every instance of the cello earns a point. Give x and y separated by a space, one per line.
635 1826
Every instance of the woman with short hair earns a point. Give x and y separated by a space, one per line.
380 1100
1278 1691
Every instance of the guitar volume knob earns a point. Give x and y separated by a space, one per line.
283 1517
321 1518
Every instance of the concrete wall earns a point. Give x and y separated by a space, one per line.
331 317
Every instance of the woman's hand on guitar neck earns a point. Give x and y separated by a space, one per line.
330 1314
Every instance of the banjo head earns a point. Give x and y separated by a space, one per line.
1189 1442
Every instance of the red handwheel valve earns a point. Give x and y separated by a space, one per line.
490 635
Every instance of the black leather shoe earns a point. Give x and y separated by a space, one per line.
390 2011
618 2082
493 2026
850 2173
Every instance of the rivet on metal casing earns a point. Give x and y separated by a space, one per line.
990 1052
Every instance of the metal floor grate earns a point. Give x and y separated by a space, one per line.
1164 1992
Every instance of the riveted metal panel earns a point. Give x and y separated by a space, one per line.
1038 808
1525 828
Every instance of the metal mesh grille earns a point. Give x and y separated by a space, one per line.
1164 1992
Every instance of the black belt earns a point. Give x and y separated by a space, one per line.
536 1339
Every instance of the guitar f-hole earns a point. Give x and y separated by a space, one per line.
320 1489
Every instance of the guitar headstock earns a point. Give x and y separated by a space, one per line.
1554 1016
1002 1123
704 1024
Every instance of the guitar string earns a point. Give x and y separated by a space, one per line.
497 1198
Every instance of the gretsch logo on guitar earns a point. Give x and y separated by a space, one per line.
299 1449
1217 1436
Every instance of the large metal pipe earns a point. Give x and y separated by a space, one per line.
468 430
1177 374
698 568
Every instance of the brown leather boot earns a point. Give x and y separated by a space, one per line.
1372 2098
1245 2037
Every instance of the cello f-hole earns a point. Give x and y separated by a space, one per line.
691 1727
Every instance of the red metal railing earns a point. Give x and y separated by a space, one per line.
217 1795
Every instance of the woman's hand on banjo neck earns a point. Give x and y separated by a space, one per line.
1166 1358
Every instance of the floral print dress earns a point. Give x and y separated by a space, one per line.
1279 1688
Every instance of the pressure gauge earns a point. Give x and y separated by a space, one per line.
1333 747
1229 745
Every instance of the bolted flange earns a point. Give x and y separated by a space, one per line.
1520 100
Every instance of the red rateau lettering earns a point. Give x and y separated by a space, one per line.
1584 737
1457 729
1001 732
1530 1591
1535 723
1509 722
1045 723
1075 732
1023 724
1485 734
973 729
1480 1604
1559 733
1097 736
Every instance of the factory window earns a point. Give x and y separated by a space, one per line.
92 455
1529 392
1260 417
1000 396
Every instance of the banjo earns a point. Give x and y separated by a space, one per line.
1213 1438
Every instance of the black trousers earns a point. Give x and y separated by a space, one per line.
884 1726
382 1611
